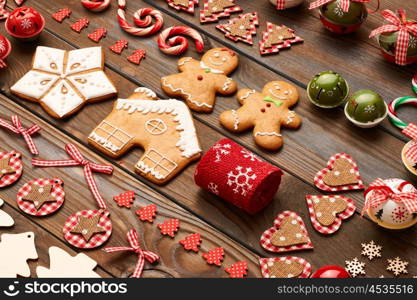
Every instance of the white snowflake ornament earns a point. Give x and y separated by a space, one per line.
397 266
371 250
355 267
63 81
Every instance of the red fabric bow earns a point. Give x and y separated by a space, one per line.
344 4
78 160
411 132
17 128
398 23
382 193
143 255
3 12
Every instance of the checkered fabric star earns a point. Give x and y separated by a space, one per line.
371 250
192 242
5 168
39 195
169 227
87 227
397 266
125 199
214 256
147 213
237 270
355 267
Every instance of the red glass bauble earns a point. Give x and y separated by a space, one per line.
25 22
331 272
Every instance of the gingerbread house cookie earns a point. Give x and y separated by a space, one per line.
163 128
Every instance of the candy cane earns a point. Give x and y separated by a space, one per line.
392 107
95 5
143 19
170 43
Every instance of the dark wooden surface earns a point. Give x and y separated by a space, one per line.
324 132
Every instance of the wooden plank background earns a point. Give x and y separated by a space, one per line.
323 133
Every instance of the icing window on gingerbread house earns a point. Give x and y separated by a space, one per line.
155 126
157 164
110 137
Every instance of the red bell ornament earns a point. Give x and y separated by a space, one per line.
25 23
331 272
5 49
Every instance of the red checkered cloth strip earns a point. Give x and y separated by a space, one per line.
411 132
78 160
3 12
382 193
17 128
403 26
344 4
265 263
132 237
16 163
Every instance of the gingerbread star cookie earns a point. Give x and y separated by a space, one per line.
215 9
341 174
199 81
288 234
285 267
266 112
64 81
328 212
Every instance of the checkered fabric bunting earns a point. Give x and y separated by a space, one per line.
403 26
132 237
382 193
15 163
411 132
27 133
57 193
79 160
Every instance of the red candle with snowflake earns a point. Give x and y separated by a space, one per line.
5 48
238 176
25 23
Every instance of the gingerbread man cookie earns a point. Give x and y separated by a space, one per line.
163 128
199 81
266 112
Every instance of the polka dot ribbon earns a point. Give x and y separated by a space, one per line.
403 26
132 237
79 160
16 127
344 4
382 193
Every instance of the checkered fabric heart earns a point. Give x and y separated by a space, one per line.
266 237
319 178
97 239
339 217
57 192
267 263
15 163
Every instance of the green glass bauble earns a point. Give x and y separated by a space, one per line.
388 42
328 89
366 106
356 14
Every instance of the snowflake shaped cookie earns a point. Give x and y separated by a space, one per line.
63 81
397 266
371 250
355 267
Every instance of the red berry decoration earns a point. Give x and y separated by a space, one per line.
214 256
137 56
192 242
169 227
238 270
61 14
331 272
119 46
25 23
5 48
125 199
147 213
80 25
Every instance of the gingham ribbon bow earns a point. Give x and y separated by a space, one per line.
281 4
411 132
398 23
3 12
79 160
17 128
382 193
344 4
143 255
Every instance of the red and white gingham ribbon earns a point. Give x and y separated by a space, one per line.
411 132
382 193
17 128
281 4
403 26
132 237
344 4
3 12
79 160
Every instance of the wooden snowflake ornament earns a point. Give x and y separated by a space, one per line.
214 256
125 199
191 242
242 28
371 250
397 266
355 267
237 270
169 227
276 38
147 213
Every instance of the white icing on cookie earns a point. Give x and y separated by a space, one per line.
146 91
188 142
167 167
61 102
246 96
227 84
104 142
291 116
184 61
235 120
187 95
273 133
214 71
